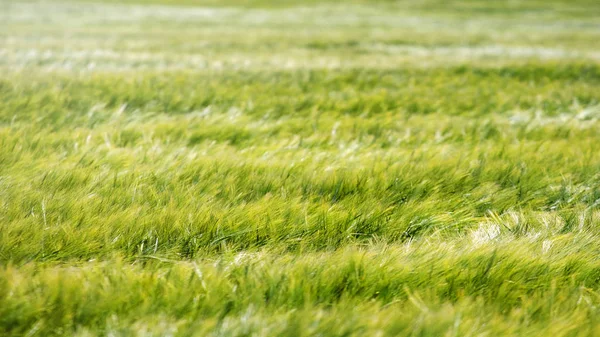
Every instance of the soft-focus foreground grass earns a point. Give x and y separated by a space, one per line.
250 168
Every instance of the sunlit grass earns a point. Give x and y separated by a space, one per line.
247 168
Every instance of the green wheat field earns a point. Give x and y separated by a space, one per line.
299 168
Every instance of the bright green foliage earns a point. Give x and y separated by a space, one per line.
251 168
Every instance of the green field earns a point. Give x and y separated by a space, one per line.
299 168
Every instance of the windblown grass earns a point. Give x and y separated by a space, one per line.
303 169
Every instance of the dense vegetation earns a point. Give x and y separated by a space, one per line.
252 168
